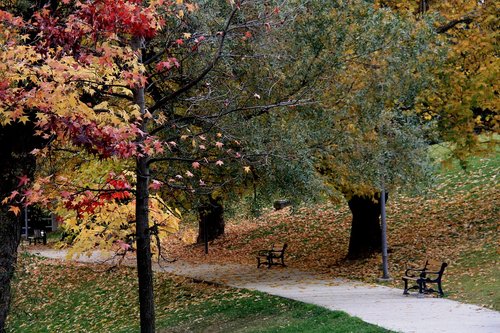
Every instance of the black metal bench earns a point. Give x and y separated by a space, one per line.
38 235
423 277
274 256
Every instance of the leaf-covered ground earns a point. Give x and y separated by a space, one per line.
457 222
50 296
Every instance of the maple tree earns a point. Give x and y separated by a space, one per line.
53 83
15 161
95 200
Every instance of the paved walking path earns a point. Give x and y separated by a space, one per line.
382 306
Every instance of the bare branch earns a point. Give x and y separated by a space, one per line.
450 25
202 75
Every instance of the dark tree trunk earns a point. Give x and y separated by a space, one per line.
143 232
10 235
16 141
143 236
212 218
365 228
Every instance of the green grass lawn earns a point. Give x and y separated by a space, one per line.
70 297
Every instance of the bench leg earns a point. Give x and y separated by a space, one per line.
421 287
405 291
440 289
259 262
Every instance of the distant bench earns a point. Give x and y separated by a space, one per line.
423 277
38 235
273 256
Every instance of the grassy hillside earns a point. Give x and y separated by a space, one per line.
457 221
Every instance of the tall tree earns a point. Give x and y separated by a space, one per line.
368 68
204 168
51 81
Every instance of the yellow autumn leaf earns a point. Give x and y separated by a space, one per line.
16 210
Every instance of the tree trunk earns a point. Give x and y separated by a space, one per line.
143 232
16 141
10 235
365 228
212 218
143 237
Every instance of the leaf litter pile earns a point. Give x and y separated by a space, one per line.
456 222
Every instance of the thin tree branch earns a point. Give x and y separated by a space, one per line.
202 75
450 25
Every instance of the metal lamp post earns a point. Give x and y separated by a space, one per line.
385 264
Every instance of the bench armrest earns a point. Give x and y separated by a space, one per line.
433 272
421 272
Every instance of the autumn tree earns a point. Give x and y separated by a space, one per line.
352 163
465 104
15 163
17 166
366 70
50 70
463 86
215 154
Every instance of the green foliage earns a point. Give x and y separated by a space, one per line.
365 70
358 73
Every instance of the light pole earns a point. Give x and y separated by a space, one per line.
385 264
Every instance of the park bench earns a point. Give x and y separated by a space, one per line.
280 204
273 256
38 235
423 277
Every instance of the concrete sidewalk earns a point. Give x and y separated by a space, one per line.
382 306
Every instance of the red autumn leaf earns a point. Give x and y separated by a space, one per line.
155 185
23 180
168 64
